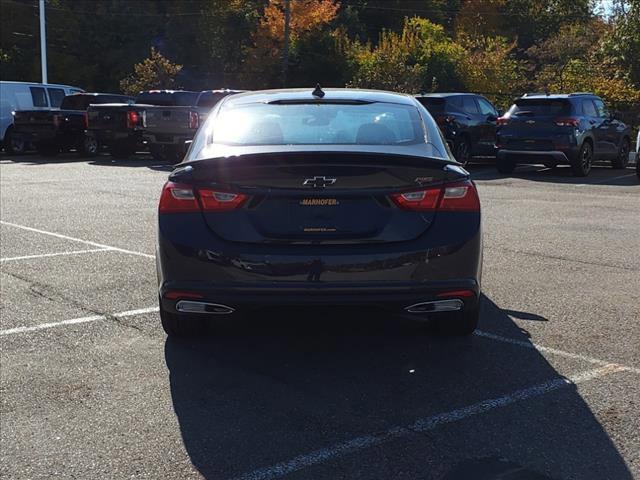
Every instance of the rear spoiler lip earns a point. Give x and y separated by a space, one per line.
269 156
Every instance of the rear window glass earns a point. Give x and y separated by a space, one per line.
168 99
210 99
56 95
76 102
39 97
318 124
433 104
540 107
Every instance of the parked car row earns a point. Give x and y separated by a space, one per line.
53 119
573 129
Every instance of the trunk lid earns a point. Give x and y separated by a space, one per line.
317 198
167 119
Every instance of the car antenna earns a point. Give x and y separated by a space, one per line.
318 91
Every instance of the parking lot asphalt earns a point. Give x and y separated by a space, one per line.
548 388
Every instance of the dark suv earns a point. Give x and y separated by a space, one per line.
467 121
573 129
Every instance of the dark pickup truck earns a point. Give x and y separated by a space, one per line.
56 130
168 127
120 125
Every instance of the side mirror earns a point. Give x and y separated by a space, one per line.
491 118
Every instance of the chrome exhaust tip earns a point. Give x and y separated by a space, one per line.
450 305
190 306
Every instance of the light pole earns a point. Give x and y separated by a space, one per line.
43 43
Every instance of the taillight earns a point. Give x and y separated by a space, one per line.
567 122
456 197
502 121
85 119
56 120
194 120
181 198
177 198
132 119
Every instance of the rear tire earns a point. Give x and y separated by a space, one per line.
462 151
14 144
622 159
88 147
581 165
459 324
179 326
505 165
174 154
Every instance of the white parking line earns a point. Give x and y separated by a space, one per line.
75 321
45 255
605 180
422 425
66 237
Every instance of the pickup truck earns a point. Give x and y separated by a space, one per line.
56 130
168 128
120 125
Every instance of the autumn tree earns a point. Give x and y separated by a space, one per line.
308 18
155 72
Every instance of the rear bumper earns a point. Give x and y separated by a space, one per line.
167 139
535 156
193 260
36 136
106 137
389 298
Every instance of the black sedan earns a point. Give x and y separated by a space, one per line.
333 198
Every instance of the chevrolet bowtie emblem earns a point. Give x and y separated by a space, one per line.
318 182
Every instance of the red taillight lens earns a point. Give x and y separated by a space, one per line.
213 201
181 198
502 121
178 198
85 119
194 120
418 201
460 197
567 122
132 119
457 197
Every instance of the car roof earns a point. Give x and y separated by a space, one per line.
446 94
330 94
558 96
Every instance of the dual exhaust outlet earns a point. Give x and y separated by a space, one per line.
191 306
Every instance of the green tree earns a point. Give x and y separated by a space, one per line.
155 72
419 58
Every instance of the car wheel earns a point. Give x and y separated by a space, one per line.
14 144
180 326
622 159
48 149
89 147
460 323
462 151
505 165
581 166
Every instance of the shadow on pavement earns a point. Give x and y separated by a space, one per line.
139 160
280 385
601 174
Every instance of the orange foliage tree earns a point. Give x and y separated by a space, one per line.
264 58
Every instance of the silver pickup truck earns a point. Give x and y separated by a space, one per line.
167 129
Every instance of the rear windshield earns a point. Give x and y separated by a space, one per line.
210 99
541 107
168 99
82 102
433 104
318 124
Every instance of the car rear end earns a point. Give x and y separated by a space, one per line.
110 123
540 130
269 217
37 126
